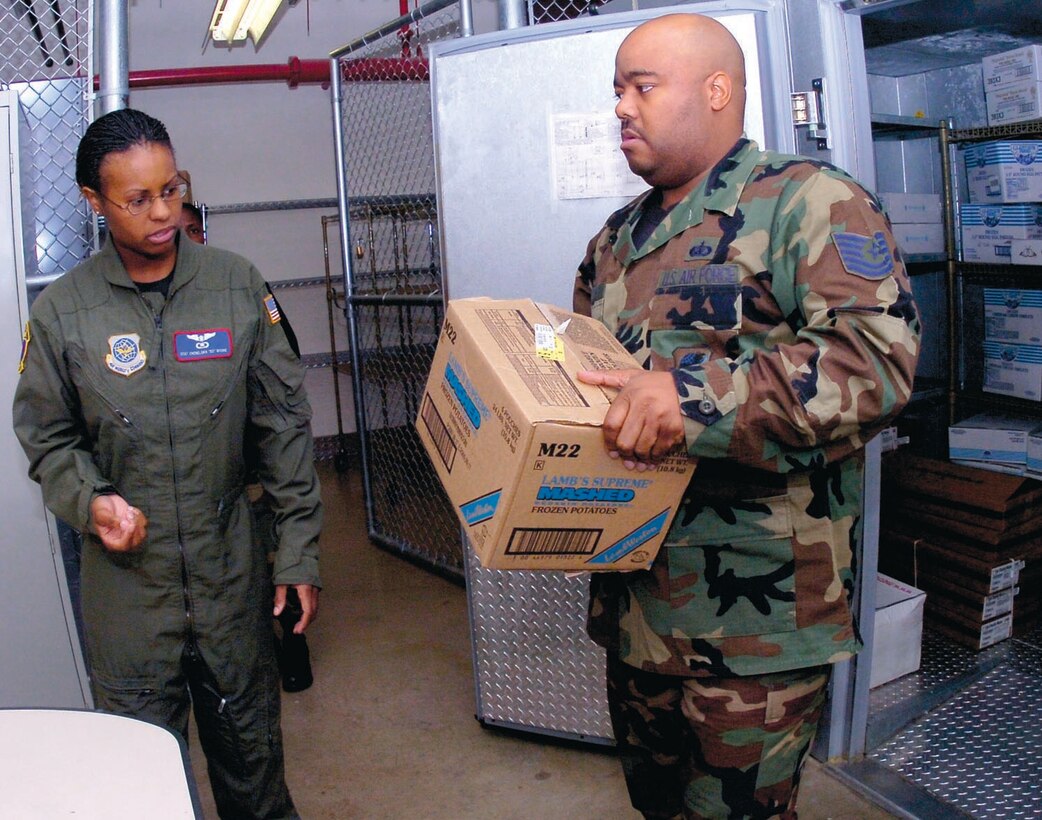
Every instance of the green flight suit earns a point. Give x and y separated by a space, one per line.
155 398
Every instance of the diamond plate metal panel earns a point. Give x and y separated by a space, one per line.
535 667
943 661
981 751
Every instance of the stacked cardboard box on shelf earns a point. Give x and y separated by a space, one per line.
916 221
992 441
1013 85
970 538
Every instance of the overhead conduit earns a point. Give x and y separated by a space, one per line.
294 72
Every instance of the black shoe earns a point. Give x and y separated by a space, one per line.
295 662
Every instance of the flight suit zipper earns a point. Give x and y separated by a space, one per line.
185 588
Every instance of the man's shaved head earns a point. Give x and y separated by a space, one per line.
680 79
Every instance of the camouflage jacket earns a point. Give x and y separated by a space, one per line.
775 294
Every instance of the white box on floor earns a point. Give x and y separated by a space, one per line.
1004 171
1013 315
1013 370
988 231
1010 67
902 207
919 237
898 636
1014 103
990 437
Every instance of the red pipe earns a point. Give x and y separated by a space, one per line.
294 72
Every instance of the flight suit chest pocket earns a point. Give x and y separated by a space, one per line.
732 569
108 403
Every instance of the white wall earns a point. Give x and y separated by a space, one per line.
285 137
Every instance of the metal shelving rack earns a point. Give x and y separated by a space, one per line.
960 737
964 389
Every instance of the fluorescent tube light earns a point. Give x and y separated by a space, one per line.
235 20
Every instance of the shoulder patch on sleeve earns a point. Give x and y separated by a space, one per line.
272 308
869 257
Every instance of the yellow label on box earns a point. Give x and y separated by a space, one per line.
548 345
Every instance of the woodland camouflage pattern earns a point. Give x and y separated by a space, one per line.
754 734
776 295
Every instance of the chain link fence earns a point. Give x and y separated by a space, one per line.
45 57
550 11
394 301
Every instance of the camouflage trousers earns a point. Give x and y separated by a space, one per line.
714 747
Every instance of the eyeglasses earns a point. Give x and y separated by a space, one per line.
139 204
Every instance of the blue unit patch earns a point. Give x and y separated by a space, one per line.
199 345
628 543
866 256
125 355
480 509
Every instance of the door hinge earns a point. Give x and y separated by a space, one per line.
808 109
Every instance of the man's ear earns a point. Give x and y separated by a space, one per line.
719 86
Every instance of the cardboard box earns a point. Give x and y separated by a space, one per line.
945 597
1004 171
1026 252
986 513
1013 370
898 636
913 558
973 635
991 437
516 441
1013 315
1034 456
993 466
988 231
911 208
1011 67
1018 102
919 237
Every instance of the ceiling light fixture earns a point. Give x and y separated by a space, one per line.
235 20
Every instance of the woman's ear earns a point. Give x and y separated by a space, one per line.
93 198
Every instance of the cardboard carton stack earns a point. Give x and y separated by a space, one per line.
1013 342
994 441
971 539
916 221
1013 85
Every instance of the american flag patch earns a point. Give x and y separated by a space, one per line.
273 309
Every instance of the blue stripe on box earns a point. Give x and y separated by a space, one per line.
628 543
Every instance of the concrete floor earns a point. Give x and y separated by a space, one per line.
388 728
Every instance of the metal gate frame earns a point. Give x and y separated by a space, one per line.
392 272
46 56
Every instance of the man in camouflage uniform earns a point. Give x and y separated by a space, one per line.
769 307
